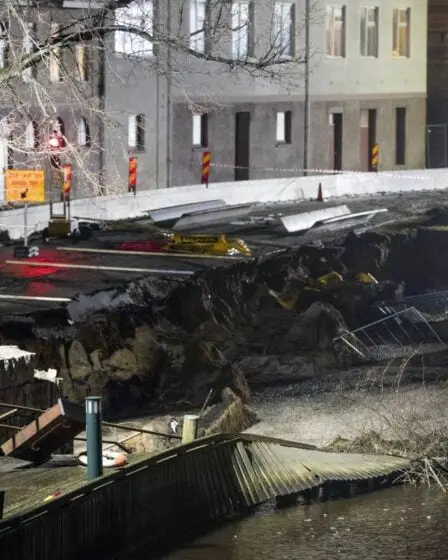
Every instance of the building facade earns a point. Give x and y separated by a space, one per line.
166 80
437 134
60 95
367 86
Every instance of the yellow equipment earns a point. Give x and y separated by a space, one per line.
289 299
207 244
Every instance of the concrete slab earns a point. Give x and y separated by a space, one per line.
306 220
171 213
189 222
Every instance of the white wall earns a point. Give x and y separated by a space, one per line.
264 191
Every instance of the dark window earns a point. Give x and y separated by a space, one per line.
200 130
400 136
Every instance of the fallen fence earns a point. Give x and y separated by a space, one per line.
434 304
400 334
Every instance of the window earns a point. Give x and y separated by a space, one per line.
31 136
401 33
198 24
284 29
136 132
284 127
400 136
335 30
137 15
55 55
28 48
242 29
200 131
4 45
83 133
369 32
82 63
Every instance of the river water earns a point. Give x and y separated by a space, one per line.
395 524
401 523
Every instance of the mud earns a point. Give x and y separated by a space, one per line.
167 344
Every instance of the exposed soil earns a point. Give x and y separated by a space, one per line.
169 344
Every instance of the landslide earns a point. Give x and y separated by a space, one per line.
167 345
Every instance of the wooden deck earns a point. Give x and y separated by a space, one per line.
158 498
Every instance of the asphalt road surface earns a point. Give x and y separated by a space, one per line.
261 232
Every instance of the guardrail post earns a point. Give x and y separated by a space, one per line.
2 502
190 428
94 438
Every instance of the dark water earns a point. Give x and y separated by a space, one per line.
396 524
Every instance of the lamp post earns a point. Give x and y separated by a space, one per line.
307 110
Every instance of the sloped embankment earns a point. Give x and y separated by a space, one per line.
158 343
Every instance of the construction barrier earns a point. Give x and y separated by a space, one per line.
127 206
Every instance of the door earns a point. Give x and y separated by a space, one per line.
242 145
337 141
372 137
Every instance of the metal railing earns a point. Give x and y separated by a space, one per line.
399 334
434 304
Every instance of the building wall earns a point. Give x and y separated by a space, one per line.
348 84
43 101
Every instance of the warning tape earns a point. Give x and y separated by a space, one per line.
300 170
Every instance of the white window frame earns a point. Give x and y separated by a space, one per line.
198 25
4 45
82 61
366 25
283 29
398 24
30 135
55 55
136 132
200 130
29 46
333 26
283 127
83 132
140 16
242 27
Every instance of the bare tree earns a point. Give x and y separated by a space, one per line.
52 61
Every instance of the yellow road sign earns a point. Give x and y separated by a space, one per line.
25 185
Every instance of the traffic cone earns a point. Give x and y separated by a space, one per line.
320 197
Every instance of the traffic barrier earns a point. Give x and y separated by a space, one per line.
306 220
213 216
117 207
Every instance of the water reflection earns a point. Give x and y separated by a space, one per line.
396 524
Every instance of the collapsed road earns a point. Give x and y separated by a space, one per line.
143 332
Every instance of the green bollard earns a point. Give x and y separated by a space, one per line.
94 438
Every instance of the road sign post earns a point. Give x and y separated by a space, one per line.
205 168
132 183
375 157
25 185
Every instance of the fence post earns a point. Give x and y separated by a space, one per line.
94 438
190 428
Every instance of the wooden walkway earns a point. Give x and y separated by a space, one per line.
177 491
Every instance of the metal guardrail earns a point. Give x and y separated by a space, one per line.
399 334
176 491
434 304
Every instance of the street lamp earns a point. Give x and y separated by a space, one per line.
307 111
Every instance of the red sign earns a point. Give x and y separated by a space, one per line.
132 182
205 169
